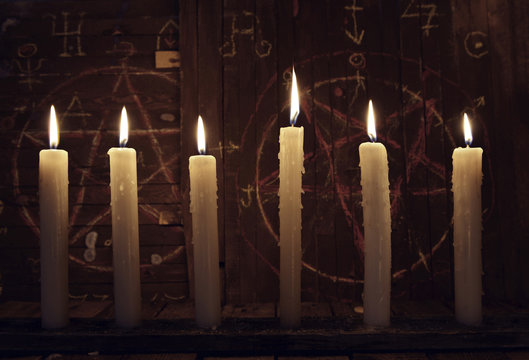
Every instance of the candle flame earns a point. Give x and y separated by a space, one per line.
124 128
371 128
294 99
201 136
53 131
467 130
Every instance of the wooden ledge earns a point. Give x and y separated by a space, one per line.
246 331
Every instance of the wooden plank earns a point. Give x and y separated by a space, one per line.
19 309
491 355
319 142
176 310
241 358
517 355
264 338
262 135
209 68
487 134
435 152
159 357
313 358
98 236
87 309
398 356
231 159
315 310
189 111
260 310
520 17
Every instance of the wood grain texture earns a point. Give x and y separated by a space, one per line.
423 62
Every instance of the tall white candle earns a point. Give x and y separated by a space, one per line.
290 172
125 239
53 193
377 228
466 180
203 207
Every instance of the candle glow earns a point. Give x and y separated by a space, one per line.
201 136
467 130
124 128
53 130
371 128
294 99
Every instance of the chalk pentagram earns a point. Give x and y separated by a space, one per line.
265 182
118 86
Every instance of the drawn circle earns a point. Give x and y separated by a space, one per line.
476 44
266 182
357 60
32 136
27 50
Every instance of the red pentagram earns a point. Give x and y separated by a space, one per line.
266 182
122 89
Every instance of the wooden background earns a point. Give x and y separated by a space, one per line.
423 62
89 59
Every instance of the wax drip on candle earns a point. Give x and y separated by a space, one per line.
124 128
53 131
467 130
371 128
294 99
201 136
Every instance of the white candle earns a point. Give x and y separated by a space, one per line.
203 207
377 228
53 194
290 171
125 239
466 180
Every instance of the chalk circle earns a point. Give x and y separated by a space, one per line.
357 60
263 177
120 83
476 44
89 255
27 50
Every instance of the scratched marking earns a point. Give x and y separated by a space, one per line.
262 47
348 193
476 44
68 50
428 11
354 34
167 36
122 88
26 67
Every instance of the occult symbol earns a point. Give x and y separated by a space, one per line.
75 109
262 47
422 10
123 88
476 44
248 191
169 34
26 68
332 147
355 35
90 242
66 34
480 101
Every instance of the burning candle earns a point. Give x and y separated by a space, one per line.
466 180
290 171
125 239
377 227
53 193
203 207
